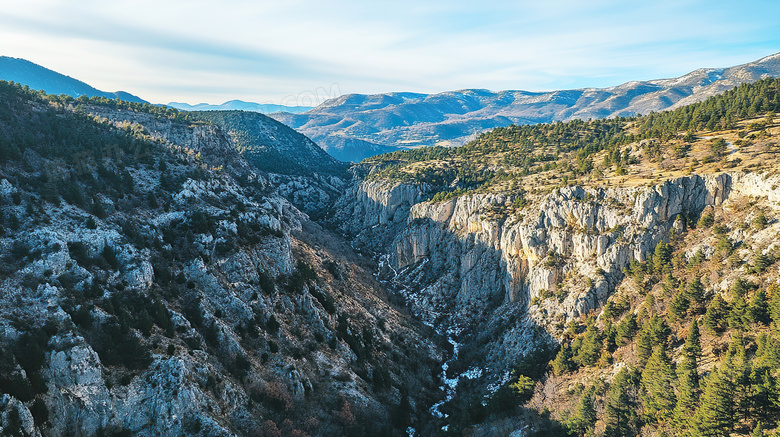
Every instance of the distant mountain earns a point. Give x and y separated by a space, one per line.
399 120
232 105
40 78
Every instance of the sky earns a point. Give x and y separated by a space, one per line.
300 52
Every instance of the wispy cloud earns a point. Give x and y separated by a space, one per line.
214 51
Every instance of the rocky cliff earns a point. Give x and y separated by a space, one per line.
467 262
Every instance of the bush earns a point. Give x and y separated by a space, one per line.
78 251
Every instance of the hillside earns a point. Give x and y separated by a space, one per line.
569 263
403 120
154 283
40 78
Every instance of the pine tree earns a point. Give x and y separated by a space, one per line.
767 352
659 329
764 400
758 309
590 349
715 317
688 378
688 392
715 416
692 346
737 369
627 328
609 335
774 308
620 407
563 363
662 256
657 391
678 307
584 417
694 292
644 346
738 316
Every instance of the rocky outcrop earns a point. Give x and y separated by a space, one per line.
471 261
372 212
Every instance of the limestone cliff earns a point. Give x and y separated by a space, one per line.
470 261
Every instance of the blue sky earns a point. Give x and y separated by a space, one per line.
300 51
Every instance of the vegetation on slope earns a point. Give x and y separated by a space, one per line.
689 345
643 149
119 202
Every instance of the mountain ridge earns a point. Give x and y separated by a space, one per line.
403 120
41 78
263 108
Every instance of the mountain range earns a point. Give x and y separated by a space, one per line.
41 78
240 105
353 127
405 120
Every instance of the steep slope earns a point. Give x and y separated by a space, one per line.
302 172
297 168
512 245
453 118
41 78
155 284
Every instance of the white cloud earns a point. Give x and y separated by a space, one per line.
207 51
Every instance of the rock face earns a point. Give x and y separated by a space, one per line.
466 263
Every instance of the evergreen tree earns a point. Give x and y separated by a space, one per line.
590 349
662 256
620 407
765 391
627 328
563 363
736 367
688 392
644 346
694 293
609 335
688 378
657 391
764 400
738 315
715 317
715 416
692 346
758 309
678 307
767 352
584 417
659 329
774 308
